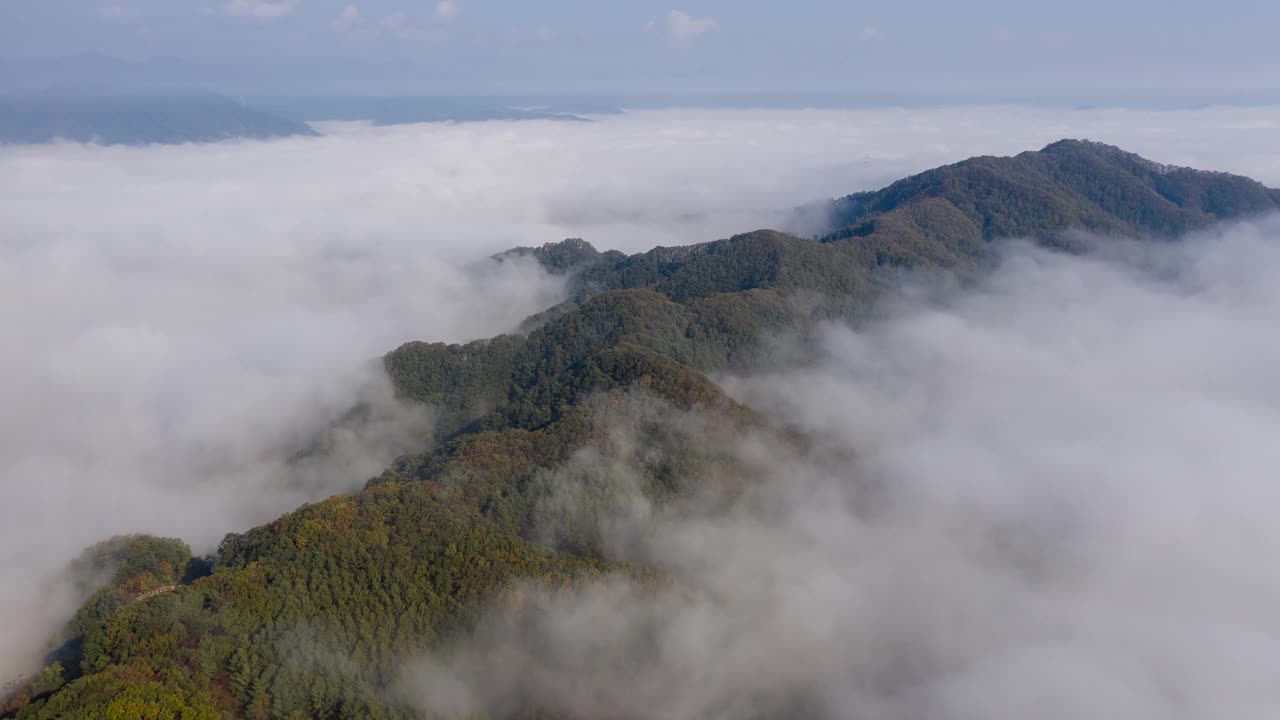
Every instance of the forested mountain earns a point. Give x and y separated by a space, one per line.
1070 184
314 614
135 118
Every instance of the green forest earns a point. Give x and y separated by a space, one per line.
314 614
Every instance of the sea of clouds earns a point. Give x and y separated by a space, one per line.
1048 495
177 319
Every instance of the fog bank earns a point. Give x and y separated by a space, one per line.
1057 500
176 319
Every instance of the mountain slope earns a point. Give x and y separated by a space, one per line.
1070 184
605 397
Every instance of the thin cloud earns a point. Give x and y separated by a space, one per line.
447 10
535 34
261 9
119 13
395 20
410 29
684 30
350 20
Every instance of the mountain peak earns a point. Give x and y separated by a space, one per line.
559 257
1078 145
1068 185
1092 148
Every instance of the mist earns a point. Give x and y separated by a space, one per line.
179 321
1050 494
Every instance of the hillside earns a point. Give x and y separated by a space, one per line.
135 118
607 397
1070 184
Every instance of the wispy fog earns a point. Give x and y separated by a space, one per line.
650 178
175 321
1058 500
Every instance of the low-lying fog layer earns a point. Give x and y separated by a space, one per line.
176 319
1061 504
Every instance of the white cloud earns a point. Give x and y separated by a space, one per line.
174 306
1049 495
119 13
535 34
684 31
221 315
447 10
410 29
261 9
349 20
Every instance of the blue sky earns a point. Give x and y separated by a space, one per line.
1119 45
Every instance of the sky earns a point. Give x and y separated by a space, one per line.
1187 47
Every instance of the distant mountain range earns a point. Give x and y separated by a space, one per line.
408 563
140 117
350 78
98 97
93 97
136 118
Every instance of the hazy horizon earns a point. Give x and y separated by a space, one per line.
1088 51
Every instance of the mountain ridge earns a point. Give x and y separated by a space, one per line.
1068 184
445 534
136 118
